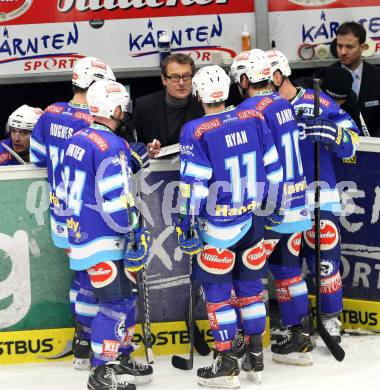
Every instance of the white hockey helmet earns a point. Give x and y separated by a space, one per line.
90 69
278 61
254 64
25 117
211 84
104 96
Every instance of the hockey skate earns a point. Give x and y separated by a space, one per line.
81 350
253 361
103 377
223 372
332 325
295 347
125 367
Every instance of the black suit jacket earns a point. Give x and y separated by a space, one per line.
150 117
369 97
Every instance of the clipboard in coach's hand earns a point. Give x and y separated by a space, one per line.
167 151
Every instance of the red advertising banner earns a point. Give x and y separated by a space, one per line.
15 12
295 5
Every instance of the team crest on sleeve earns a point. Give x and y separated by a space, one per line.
294 243
215 260
102 274
254 258
329 235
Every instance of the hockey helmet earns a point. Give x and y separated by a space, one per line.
254 64
278 61
25 117
104 96
211 84
90 69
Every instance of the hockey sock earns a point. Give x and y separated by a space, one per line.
291 294
126 347
331 284
109 330
331 294
252 308
221 314
86 305
74 289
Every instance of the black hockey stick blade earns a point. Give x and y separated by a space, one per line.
200 343
182 363
336 350
179 361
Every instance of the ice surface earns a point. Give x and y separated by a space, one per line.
359 370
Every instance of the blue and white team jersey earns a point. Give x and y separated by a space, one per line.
95 203
280 117
329 109
227 161
57 124
6 158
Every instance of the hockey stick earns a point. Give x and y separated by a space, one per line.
335 349
141 284
200 344
143 291
179 361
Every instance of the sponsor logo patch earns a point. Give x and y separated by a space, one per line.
110 348
82 115
207 126
216 261
329 235
54 109
13 9
331 285
294 243
255 258
269 246
102 274
248 114
99 141
262 104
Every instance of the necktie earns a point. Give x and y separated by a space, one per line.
356 83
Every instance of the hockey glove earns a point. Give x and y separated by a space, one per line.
324 131
274 219
189 244
136 255
139 156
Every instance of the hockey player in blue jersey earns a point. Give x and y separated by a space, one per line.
339 136
101 224
251 70
58 123
227 160
15 149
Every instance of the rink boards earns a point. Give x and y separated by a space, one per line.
50 345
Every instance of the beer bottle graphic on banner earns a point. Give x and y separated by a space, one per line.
164 48
245 39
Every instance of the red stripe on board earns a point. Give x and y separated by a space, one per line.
296 5
48 12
